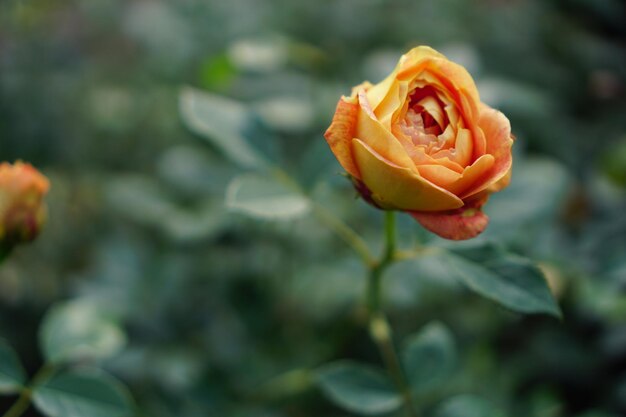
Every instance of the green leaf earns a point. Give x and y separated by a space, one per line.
286 114
429 357
505 278
143 201
466 405
221 121
12 374
77 331
265 198
358 388
82 394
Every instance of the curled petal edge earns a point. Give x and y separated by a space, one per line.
459 224
398 188
341 132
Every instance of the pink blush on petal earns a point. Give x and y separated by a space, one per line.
460 224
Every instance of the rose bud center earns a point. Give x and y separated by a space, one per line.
430 123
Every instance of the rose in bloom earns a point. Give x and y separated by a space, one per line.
22 211
421 141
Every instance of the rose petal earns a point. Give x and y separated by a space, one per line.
377 92
439 175
448 136
420 157
432 106
462 151
497 127
396 187
449 76
455 182
418 153
460 224
376 136
453 115
390 103
465 106
497 130
472 174
341 132
501 183
464 147
455 78
480 142
417 54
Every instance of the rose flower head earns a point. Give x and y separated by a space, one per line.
421 141
22 210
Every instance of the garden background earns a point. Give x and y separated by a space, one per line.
212 311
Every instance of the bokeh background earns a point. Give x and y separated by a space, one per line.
214 304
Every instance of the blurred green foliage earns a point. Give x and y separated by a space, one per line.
223 315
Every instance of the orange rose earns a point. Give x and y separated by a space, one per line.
422 142
22 211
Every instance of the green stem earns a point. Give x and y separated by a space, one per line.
21 405
379 327
23 401
390 237
377 269
346 233
341 229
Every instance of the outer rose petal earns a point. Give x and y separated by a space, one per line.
376 136
457 184
388 88
395 187
391 103
385 96
417 54
460 224
497 130
501 184
341 132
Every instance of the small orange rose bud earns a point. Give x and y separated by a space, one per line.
421 141
22 210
